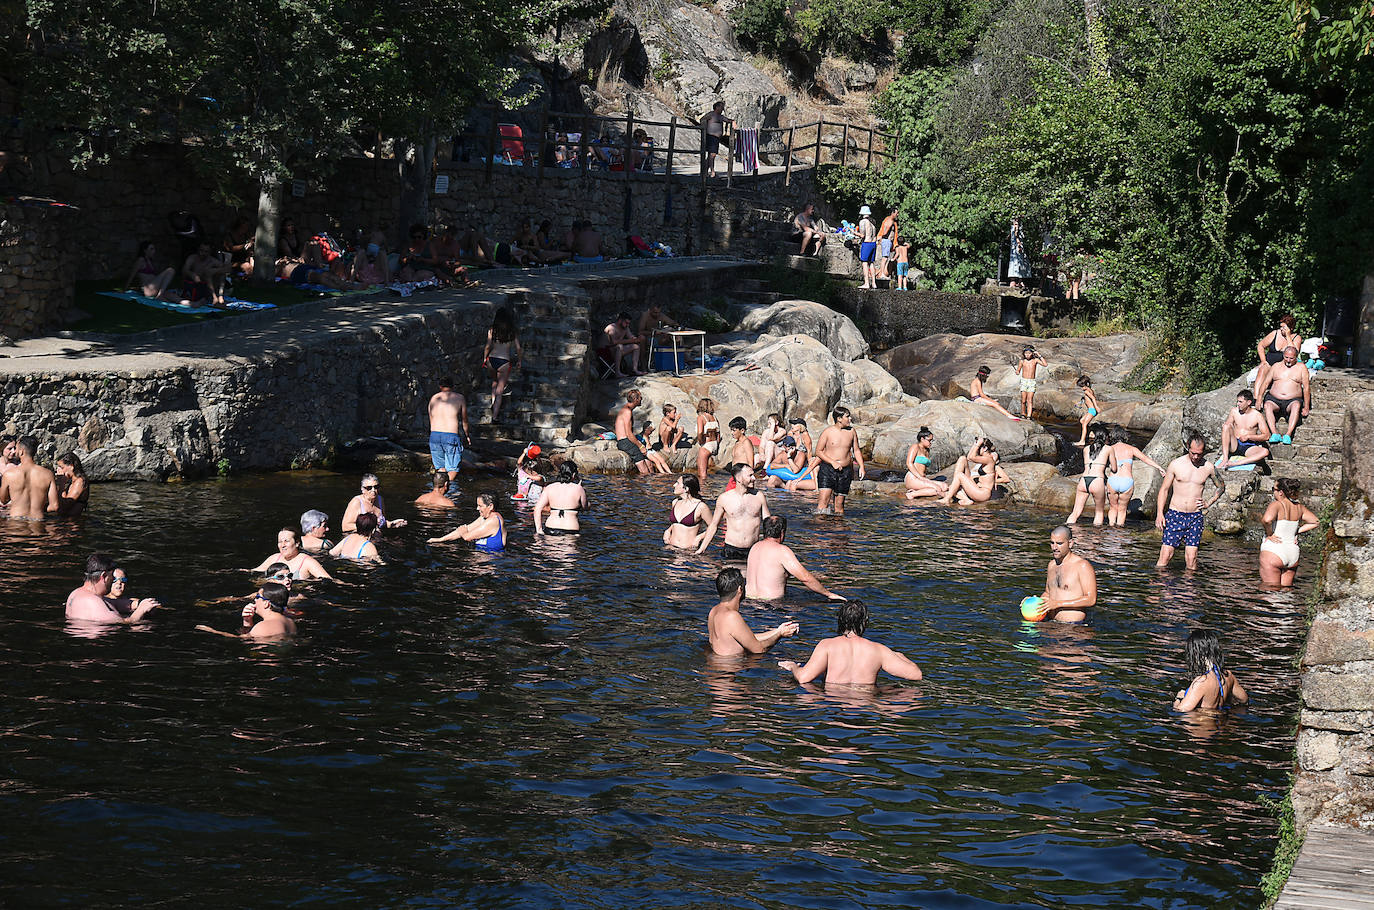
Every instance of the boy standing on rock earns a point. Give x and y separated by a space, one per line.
1030 362
838 449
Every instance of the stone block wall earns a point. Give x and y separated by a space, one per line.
1334 783
890 318
36 279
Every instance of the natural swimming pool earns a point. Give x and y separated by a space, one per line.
542 727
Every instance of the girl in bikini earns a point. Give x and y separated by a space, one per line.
145 277
975 475
917 462
1090 407
358 545
1213 685
1122 481
1097 455
501 355
708 436
978 396
688 515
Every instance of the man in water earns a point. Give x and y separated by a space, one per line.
29 488
1286 391
625 439
268 607
434 498
1181 488
1245 430
730 635
91 602
744 509
447 410
771 561
849 659
743 450
1070 580
838 450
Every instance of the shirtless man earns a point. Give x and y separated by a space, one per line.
622 343
771 561
744 510
1025 370
868 248
435 497
29 489
713 126
849 659
203 276
887 241
1286 391
743 450
1245 430
1182 522
730 635
447 410
807 232
91 602
625 439
1070 580
586 245
838 449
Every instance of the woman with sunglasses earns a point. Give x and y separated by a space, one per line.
303 566
369 500
269 611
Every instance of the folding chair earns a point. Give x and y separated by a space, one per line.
512 143
604 368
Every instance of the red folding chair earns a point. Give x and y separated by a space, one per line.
512 143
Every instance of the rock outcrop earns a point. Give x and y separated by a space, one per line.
804 317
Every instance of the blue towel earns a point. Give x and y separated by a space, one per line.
230 303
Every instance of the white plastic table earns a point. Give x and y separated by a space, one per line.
676 336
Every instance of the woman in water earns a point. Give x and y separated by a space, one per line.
1097 456
1122 481
487 531
314 525
689 515
369 500
977 395
917 462
1285 518
708 436
358 545
1090 408
145 277
1270 347
976 475
564 498
303 566
72 488
1213 685
501 355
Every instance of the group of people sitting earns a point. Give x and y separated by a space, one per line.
30 491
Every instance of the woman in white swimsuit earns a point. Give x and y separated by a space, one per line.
1097 456
1122 481
1284 519
708 436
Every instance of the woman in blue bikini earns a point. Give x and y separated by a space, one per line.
1122 480
917 462
358 545
1090 407
487 531
1213 685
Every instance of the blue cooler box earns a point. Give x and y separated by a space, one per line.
663 360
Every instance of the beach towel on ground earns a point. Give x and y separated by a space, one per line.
230 303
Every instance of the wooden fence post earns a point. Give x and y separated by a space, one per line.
787 165
844 143
672 137
869 165
820 128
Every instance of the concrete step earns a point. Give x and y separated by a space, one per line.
566 323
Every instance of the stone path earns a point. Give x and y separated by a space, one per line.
1334 871
1315 455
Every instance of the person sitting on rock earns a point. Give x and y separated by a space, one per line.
1245 432
807 230
976 475
977 395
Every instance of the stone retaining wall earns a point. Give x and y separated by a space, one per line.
36 280
890 318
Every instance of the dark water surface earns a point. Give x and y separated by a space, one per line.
542 728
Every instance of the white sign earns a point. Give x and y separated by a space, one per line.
298 188
441 185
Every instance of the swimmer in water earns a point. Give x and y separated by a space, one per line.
437 496
849 659
314 527
72 488
487 531
269 607
563 500
1213 685
92 602
1070 580
358 545
369 500
743 509
730 635
689 515
771 561
28 488
303 566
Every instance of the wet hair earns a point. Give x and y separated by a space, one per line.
839 413
1288 320
691 484
1194 436
366 478
487 498
503 325
852 616
28 444
97 564
1085 382
634 396
739 466
365 525
73 462
1247 395
439 480
567 473
923 434
1289 486
295 535
706 406
738 423
1119 434
276 595
277 568
1097 439
728 581
774 526
446 382
1202 652
984 372
312 520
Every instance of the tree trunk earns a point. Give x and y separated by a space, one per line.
413 160
1097 37
269 220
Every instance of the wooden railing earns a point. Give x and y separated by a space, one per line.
545 141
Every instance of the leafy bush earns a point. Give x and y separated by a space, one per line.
763 25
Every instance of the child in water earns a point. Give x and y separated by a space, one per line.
1090 407
1213 685
1030 362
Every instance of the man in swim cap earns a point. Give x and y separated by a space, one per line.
91 601
744 509
730 635
771 561
849 659
1070 580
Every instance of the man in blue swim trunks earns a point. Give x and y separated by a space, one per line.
1181 489
1244 431
868 248
447 411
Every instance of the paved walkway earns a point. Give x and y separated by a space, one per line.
1334 871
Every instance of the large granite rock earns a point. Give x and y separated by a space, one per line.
942 366
956 425
804 317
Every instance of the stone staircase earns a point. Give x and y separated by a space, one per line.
754 291
1315 455
546 399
